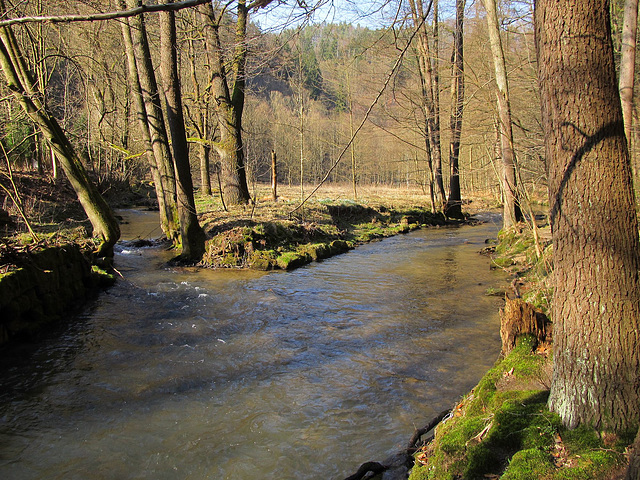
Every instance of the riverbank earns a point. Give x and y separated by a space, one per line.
502 429
284 234
40 285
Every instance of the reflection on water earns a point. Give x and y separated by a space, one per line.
176 374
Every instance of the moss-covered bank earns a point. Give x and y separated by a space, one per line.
42 285
328 230
502 429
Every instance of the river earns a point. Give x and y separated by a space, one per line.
183 374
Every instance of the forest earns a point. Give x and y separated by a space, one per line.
262 130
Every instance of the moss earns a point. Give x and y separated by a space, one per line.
521 362
317 251
49 282
101 277
339 246
529 464
511 433
262 260
481 460
590 465
582 439
289 260
502 262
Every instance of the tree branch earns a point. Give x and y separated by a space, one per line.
164 7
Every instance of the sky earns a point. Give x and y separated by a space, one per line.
366 13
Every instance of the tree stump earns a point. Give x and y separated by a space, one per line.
521 318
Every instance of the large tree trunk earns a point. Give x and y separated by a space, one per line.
511 211
454 203
596 305
155 117
193 237
165 204
229 102
628 64
20 82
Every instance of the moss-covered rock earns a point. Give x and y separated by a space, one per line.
46 284
289 260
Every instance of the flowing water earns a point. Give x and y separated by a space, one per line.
183 374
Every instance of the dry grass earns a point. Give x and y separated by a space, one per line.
288 206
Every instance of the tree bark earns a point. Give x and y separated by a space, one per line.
274 176
454 202
20 82
193 237
205 173
628 64
511 211
200 120
437 144
166 205
155 117
596 305
430 108
229 102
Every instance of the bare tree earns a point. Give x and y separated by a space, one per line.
166 204
454 202
229 96
511 211
430 89
155 119
21 84
192 235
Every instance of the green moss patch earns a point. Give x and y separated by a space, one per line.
510 434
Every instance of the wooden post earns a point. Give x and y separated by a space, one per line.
274 176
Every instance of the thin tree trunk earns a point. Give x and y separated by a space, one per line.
205 174
454 203
193 237
437 145
155 117
274 176
596 304
199 121
229 102
166 210
20 82
354 175
628 64
511 211
301 133
419 15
